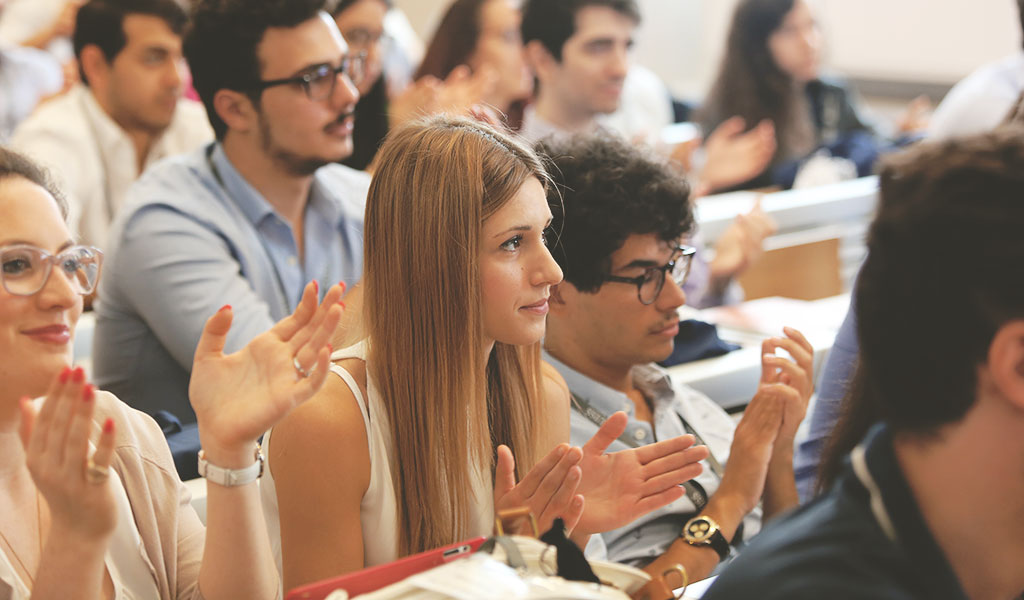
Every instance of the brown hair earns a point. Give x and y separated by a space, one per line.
750 85
13 164
449 406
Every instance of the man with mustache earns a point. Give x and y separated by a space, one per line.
248 220
615 313
127 113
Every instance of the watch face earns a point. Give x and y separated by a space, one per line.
699 530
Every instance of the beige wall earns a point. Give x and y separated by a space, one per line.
931 41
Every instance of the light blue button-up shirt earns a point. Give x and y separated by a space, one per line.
648 537
193 236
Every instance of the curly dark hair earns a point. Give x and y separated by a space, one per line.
554 21
221 45
608 191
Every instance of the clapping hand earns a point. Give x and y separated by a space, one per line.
548 490
237 397
620 487
56 441
796 373
735 156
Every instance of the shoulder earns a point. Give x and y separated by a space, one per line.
58 120
139 444
553 387
347 186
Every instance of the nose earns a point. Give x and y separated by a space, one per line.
619 64
176 73
345 92
672 295
58 291
546 271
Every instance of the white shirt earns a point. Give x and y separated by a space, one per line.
26 76
980 101
94 159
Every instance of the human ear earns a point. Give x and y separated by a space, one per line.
235 109
1006 361
94 65
540 61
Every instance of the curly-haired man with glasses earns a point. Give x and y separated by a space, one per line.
248 220
621 246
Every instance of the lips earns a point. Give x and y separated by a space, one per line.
343 125
667 329
50 334
539 308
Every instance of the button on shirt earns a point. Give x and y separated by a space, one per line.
194 235
648 537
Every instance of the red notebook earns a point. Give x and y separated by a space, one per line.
374 578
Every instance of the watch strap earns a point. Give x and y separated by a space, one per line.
231 477
704 531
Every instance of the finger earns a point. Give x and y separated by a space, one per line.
215 333
458 75
104 454
77 446
651 452
558 461
56 439
504 473
791 374
803 356
674 461
671 479
799 338
574 512
730 127
561 500
606 434
309 386
769 374
45 415
305 310
656 501
307 334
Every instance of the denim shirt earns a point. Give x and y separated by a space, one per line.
194 236
648 537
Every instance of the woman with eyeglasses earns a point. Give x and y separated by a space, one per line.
445 414
90 503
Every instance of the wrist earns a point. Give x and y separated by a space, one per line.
227 454
74 536
728 509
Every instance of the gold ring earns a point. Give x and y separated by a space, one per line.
95 473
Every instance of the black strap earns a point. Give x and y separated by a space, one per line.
694 491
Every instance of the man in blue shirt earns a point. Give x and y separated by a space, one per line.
929 505
248 220
615 314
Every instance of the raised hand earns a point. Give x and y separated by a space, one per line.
620 487
548 490
56 439
742 243
735 156
237 397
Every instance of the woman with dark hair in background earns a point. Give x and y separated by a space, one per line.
771 72
483 34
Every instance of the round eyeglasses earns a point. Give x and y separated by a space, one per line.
25 269
319 81
649 285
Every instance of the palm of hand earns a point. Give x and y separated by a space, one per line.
611 487
239 396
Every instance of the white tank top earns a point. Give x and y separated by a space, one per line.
378 512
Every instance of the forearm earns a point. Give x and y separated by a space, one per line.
780 485
700 561
237 560
70 567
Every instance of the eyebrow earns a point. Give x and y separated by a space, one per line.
67 244
524 228
638 264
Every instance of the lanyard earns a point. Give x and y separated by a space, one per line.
694 491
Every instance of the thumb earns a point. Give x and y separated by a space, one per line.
504 473
215 333
608 433
730 127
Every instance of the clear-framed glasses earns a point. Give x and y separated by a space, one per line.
319 81
361 40
648 285
25 269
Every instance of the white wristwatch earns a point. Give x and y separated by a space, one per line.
231 477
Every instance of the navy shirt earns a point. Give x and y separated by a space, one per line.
838 547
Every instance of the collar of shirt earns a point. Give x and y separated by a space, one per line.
650 379
109 135
926 557
322 200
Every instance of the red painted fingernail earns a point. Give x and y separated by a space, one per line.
65 374
343 286
78 375
330 349
316 286
342 304
108 426
87 392
224 308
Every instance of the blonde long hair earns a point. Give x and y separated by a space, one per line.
449 407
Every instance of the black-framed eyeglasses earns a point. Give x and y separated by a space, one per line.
319 81
649 285
25 269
